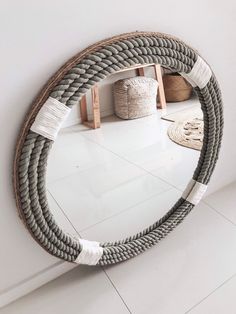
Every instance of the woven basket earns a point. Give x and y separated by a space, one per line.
135 97
176 88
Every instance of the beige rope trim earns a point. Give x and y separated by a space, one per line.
90 254
194 192
200 74
50 118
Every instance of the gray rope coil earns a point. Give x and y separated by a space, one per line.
68 85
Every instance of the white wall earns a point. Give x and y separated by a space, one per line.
39 36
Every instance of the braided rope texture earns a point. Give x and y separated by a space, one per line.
68 85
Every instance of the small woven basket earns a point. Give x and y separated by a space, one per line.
135 97
176 88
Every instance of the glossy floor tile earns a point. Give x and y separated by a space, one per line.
95 174
72 153
173 164
220 301
127 136
133 220
178 106
122 137
93 195
179 170
181 270
224 202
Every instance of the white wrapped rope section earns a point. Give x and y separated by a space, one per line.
194 192
90 254
50 118
199 75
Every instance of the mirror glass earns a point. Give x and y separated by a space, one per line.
111 182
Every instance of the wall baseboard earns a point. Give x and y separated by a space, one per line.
31 283
73 120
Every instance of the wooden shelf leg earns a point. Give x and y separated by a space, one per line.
140 71
83 109
161 94
96 107
96 123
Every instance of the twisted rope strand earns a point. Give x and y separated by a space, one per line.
79 75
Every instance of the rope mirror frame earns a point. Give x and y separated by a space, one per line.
53 105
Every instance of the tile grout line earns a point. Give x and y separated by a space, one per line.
103 163
133 164
211 293
117 291
219 213
126 209
76 231
109 217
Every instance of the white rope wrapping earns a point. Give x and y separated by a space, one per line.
194 192
199 75
90 254
50 118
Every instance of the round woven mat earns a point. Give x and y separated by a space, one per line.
188 133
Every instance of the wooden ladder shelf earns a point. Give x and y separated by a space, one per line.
96 123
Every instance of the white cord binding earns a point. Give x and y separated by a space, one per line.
194 192
90 254
50 118
199 75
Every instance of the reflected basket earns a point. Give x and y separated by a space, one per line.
176 88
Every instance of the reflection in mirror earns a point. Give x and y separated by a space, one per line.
110 182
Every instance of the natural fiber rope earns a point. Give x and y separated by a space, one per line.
68 85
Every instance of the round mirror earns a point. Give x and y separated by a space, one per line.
140 120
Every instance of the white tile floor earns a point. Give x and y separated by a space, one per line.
109 183
117 167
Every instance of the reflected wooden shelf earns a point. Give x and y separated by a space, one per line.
96 123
